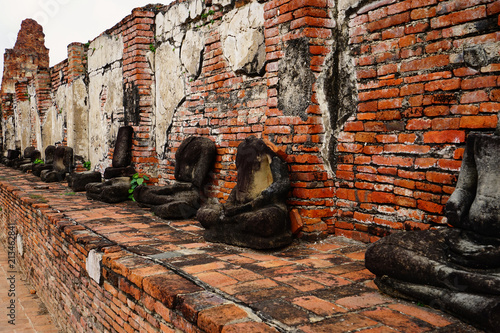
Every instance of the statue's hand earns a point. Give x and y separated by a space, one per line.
457 207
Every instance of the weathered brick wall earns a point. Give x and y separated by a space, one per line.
133 293
369 102
427 75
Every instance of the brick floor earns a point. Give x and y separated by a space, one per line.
30 313
306 287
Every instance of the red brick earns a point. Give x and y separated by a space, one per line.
439 110
479 82
377 94
430 206
489 107
474 97
445 123
412 89
449 136
451 84
214 319
393 33
407 40
440 178
389 22
418 124
430 62
478 122
464 109
421 13
166 287
458 17
393 160
353 126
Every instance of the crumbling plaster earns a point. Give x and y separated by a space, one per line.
180 35
337 92
105 91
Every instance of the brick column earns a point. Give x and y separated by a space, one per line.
76 61
308 26
138 79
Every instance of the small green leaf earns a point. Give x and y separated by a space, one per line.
146 178
140 181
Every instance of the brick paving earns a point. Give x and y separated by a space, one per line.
306 287
30 314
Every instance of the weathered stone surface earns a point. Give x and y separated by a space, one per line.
63 164
170 90
122 154
48 162
242 36
456 269
78 181
255 215
105 50
29 156
114 190
181 199
111 191
93 265
296 79
105 97
191 52
77 117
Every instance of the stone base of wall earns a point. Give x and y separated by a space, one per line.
118 268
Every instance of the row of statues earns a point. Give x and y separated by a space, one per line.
454 268
255 215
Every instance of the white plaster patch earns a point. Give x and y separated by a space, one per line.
104 50
19 242
93 265
192 47
242 36
170 90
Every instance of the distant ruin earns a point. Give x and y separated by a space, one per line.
369 102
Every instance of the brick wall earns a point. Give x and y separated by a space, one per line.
427 75
370 103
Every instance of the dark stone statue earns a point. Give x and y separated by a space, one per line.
181 199
11 156
122 155
48 163
111 191
456 269
115 188
63 164
255 214
78 180
29 156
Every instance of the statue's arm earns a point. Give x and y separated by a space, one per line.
459 203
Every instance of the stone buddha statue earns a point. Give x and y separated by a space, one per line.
456 269
255 214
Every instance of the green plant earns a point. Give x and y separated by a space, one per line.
38 161
87 165
152 48
69 193
134 182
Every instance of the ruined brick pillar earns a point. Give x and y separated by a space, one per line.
298 36
21 64
76 61
138 79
